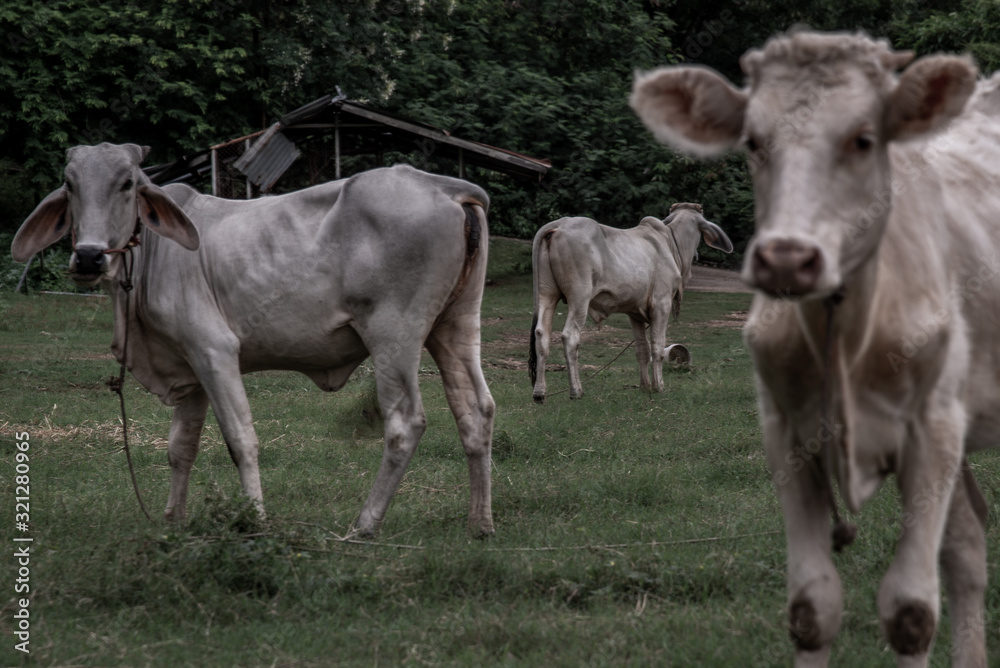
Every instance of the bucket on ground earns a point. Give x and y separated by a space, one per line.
677 355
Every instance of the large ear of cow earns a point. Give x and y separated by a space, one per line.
693 109
931 92
47 224
715 237
159 213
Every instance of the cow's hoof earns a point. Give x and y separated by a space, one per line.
574 395
482 532
911 630
539 398
803 626
358 532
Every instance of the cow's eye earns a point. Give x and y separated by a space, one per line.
69 186
127 185
752 145
862 143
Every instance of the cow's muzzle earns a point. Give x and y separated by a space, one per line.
88 264
786 267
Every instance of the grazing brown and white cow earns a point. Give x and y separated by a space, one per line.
380 264
601 270
876 261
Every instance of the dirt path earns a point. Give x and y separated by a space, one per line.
709 279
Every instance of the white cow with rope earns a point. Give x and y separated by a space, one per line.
381 264
874 329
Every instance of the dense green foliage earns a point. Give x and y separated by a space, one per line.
547 78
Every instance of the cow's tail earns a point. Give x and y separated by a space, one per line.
476 240
532 352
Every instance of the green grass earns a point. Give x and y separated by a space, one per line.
632 529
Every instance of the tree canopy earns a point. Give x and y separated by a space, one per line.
549 78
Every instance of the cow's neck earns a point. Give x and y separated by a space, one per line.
684 244
118 301
853 314
841 329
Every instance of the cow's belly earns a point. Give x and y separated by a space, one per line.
326 357
604 304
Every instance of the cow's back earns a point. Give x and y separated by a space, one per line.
286 279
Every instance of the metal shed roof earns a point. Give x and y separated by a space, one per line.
358 129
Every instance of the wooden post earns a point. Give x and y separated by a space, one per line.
246 147
24 276
215 174
336 147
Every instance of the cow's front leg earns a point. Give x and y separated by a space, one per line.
576 318
641 351
815 600
399 398
182 448
217 367
909 596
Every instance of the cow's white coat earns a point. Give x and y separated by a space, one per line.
381 264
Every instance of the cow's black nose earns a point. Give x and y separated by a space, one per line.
89 260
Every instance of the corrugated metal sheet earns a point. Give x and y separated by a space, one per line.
268 158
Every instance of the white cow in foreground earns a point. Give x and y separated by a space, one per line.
380 264
601 270
877 264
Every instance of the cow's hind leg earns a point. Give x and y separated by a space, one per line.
455 347
396 366
641 350
541 333
576 318
185 432
963 562
658 340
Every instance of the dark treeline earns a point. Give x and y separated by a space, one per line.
549 78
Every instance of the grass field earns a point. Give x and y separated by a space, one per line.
632 529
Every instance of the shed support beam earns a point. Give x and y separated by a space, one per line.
336 149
